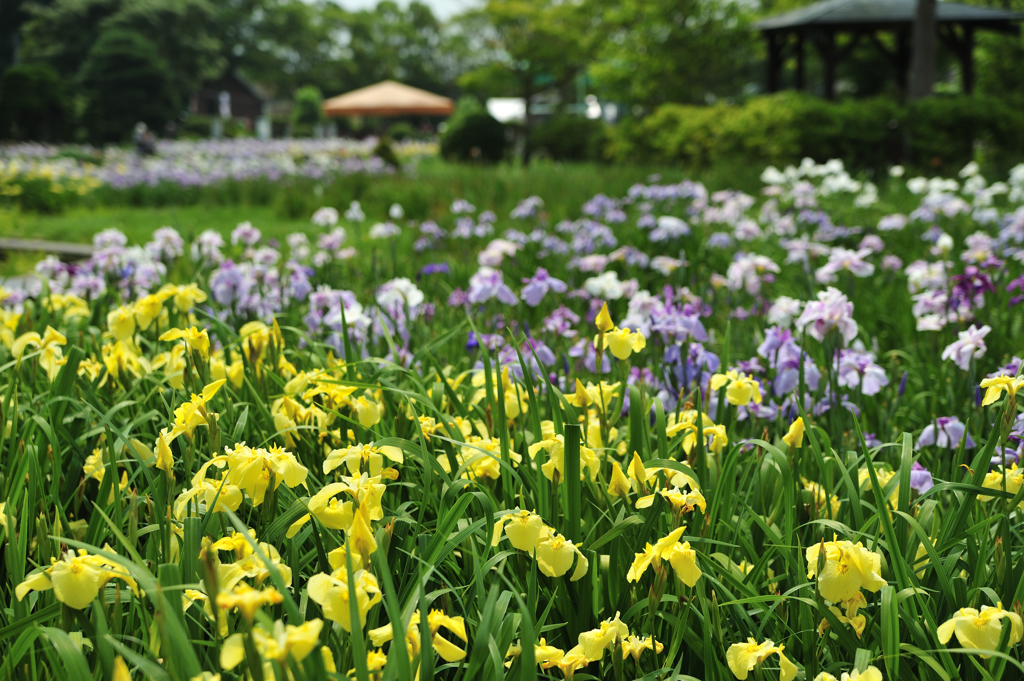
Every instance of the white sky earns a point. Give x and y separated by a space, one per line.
443 9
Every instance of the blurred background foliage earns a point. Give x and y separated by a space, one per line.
648 59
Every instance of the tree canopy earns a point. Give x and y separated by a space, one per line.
637 53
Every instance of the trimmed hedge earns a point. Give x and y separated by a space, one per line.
474 137
569 138
938 133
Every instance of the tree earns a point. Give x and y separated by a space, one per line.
680 51
388 42
13 14
33 103
538 44
125 81
64 34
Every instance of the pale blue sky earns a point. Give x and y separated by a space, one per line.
443 9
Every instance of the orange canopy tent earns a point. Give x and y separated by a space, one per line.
388 98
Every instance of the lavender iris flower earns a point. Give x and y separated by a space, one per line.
969 345
920 478
489 283
538 286
945 433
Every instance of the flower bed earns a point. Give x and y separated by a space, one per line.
691 433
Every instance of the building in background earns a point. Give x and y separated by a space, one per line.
230 97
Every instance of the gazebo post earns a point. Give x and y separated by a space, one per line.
774 61
799 84
961 43
903 59
967 60
826 44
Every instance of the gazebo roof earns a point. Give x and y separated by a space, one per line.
388 98
884 13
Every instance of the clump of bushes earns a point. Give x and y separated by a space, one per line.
569 138
938 133
473 134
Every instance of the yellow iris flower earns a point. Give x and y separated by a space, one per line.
248 600
741 388
820 498
543 654
601 395
634 645
193 413
481 458
678 554
555 554
594 643
682 502
603 321
148 308
362 459
872 673
1011 476
621 342
994 387
848 568
436 620
515 397
857 622
554 446
195 340
278 645
76 579
49 345
198 499
743 657
123 360
981 630
523 529
185 297
121 323
220 369
331 592
795 436
620 485
251 470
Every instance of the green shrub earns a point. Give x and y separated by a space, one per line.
196 126
944 131
938 133
308 106
475 137
569 138
403 130
33 104
386 153
864 133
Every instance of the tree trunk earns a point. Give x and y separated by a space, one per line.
922 62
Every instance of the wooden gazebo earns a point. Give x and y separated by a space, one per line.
822 25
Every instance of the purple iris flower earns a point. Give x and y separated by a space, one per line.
1016 284
946 433
857 368
538 286
434 268
489 283
920 478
